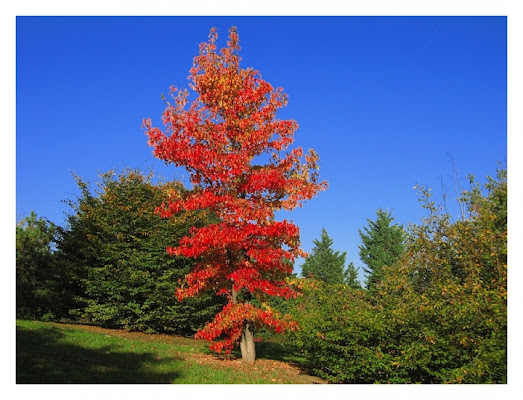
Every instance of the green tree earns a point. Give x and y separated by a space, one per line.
324 263
351 277
115 251
35 271
382 244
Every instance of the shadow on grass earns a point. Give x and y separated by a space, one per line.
274 350
277 351
43 357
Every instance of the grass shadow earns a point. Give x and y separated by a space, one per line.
272 350
43 356
286 352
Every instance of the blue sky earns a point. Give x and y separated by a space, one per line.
383 100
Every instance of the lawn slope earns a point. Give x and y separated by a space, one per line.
63 353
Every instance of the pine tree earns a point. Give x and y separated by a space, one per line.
351 277
324 263
35 270
382 244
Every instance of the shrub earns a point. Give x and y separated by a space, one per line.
438 316
341 333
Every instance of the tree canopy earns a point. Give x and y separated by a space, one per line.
382 244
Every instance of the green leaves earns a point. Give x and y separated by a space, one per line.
115 249
340 332
438 315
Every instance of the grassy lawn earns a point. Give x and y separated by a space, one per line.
61 353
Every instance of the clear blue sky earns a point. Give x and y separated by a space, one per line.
383 100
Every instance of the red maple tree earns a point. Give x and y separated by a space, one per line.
236 152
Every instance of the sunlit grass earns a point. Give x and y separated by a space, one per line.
54 353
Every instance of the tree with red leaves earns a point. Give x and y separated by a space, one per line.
236 152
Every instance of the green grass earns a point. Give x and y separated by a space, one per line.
55 353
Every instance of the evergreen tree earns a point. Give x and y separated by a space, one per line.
382 244
324 263
351 277
35 272
114 250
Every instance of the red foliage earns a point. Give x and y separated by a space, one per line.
220 138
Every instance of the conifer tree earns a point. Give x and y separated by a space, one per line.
35 269
382 244
351 277
112 253
324 263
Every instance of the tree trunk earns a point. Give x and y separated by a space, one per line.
247 339
247 346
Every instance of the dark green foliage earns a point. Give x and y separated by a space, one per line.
439 315
351 277
36 273
340 333
115 251
325 264
382 244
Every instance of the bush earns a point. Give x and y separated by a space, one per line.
438 316
452 285
343 336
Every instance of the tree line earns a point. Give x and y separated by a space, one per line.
382 244
432 308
